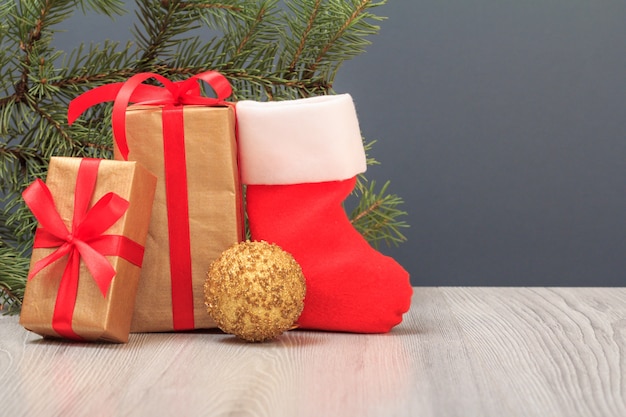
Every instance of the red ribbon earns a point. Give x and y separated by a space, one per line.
85 241
133 91
172 96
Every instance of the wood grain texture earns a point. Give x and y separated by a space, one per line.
459 352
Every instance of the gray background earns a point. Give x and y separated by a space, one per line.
502 124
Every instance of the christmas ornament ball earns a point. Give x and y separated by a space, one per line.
255 290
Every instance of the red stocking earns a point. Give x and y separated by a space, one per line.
294 199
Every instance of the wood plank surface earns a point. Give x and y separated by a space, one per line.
459 352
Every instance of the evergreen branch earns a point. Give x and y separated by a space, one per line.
249 39
4 101
157 37
376 215
99 147
58 127
367 211
10 300
162 25
13 269
6 105
357 14
192 5
34 34
107 7
5 10
220 16
251 30
275 82
304 36
370 160
100 65
10 155
324 50
91 79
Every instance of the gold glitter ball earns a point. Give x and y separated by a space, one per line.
255 290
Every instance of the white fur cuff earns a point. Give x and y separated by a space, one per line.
306 140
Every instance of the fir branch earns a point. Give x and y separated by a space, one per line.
13 269
27 47
340 32
201 5
376 215
106 7
304 36
249 39
5 9
161 28
275 86
54 124
15 164
252 28
95 79
100 64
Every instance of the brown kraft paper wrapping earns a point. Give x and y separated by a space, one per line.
215 211
95 317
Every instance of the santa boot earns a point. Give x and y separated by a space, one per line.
299 160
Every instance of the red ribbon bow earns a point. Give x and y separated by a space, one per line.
173 95
133 91
85 241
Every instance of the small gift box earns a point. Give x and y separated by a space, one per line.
188 141
88 249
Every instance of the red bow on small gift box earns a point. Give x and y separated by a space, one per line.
85 240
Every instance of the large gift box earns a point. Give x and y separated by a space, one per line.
185 236
93 218
188 141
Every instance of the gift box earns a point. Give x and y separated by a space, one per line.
185 236
188 141
88 249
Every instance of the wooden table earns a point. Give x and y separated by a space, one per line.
459 352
